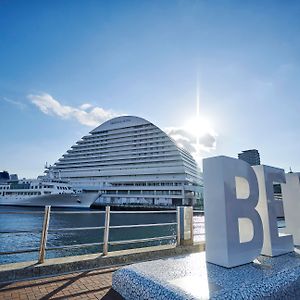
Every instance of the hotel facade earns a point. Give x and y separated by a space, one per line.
128 160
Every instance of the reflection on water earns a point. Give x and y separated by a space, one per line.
20 241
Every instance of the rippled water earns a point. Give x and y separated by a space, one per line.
19 241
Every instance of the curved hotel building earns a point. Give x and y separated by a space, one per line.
128 160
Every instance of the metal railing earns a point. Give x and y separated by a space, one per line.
198 226
142 240
45 230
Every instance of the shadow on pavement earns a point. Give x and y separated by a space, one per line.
112 295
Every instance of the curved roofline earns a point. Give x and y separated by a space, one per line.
118 122
120 125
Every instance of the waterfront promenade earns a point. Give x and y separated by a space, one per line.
88 276
94 284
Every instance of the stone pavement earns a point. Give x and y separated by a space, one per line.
95 284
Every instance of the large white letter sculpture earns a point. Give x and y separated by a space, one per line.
291 205
233 227
273 243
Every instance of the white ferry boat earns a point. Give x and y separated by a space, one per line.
44 191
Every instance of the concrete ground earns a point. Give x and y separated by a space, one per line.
29 280
94 284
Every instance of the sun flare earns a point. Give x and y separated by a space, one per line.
199 127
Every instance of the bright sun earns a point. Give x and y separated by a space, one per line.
199 126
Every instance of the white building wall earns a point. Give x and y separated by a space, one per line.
127 154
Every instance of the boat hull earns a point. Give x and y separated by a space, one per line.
80 200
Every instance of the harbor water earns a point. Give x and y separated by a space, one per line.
33 222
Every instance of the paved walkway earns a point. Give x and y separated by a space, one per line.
94 284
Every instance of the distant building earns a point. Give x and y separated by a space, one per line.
131 161
13 177
4 176
250 156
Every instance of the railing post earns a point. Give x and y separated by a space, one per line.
42 252
185 225
178 225
106 230
192 224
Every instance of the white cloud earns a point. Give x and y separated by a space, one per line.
86 114
196 146
20 105
89 115
85 106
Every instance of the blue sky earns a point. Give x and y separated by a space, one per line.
68 65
